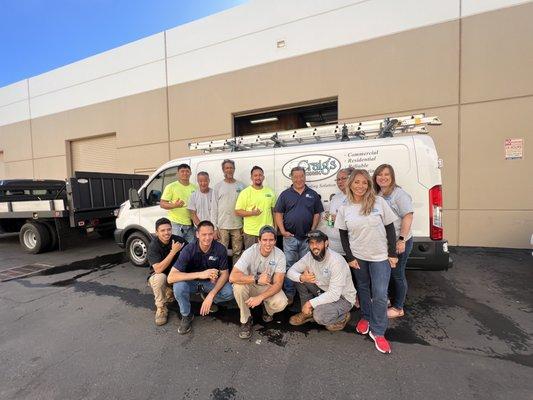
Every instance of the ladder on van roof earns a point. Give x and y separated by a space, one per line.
379 128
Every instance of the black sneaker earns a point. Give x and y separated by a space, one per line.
185 324
266 316
246 329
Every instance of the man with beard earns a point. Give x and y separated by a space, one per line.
255 204
323 281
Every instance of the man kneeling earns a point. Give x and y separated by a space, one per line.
202 267
257 278
324 284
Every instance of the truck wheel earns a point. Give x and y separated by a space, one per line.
34 237
137 249
54 240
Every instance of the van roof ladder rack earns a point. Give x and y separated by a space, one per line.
379 128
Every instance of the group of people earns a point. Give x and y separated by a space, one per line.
365 245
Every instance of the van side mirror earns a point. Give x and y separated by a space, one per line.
134 198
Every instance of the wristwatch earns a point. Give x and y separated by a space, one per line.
401 238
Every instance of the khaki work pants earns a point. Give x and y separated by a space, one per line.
249 240
273 304
162 291
236 241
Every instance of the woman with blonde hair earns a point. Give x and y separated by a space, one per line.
400 202
366 225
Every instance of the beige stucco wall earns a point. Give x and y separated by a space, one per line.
476 78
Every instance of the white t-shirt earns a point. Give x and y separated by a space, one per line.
223 205
334 237
201 203
252 262
401 204
368 239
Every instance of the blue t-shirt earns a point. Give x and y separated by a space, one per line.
193 259
298 210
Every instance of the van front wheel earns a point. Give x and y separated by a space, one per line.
137 249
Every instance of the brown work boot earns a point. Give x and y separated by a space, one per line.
169 295
161 316
339 326
300 319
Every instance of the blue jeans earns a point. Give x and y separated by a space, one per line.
398 278
373 301
183 290
294 249
185 231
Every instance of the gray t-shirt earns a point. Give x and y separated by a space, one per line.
201 203
332 276
223 205
368 239
252 262
401 204
335 203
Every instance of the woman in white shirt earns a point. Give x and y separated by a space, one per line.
402 205
369 241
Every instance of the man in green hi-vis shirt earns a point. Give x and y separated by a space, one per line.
255 204
175 199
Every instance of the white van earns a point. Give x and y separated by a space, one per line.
413 157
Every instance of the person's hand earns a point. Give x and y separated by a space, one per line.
253 302
307 308
354 264
178 203
214 275
208 273
307 277
264 278
255 211
393 261
176 246
286 234
206 304
400 246
217 234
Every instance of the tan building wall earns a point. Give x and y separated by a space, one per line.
464 71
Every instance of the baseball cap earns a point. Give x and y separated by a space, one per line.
317 235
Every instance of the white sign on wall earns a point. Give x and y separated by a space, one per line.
514 149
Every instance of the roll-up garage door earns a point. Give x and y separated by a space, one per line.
97 154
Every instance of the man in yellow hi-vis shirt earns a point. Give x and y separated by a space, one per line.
175 198
255 205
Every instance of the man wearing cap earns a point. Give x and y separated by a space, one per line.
297 211
257 279
324 283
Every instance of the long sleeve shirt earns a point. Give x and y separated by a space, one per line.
332 276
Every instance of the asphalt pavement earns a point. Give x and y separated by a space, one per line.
86 331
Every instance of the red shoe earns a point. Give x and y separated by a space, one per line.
362 327
382 345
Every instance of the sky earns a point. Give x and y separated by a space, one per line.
40 35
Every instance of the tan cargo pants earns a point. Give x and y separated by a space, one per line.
236 241
273 304
162 290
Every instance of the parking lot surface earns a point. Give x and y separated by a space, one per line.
86 331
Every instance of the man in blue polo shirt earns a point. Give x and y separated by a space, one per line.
297 212
202 267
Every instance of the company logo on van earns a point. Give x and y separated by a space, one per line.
317 166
